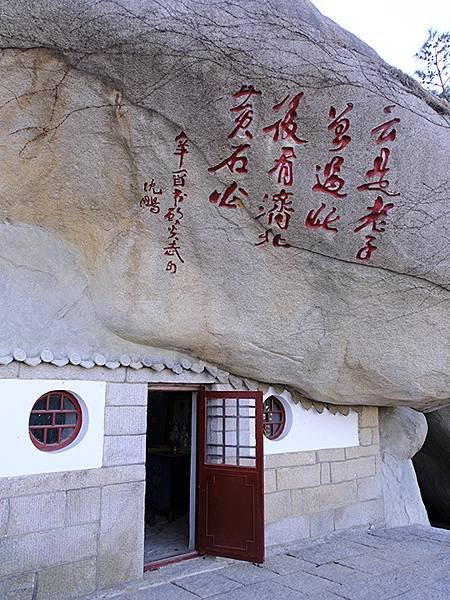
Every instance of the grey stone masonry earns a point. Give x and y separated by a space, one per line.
317 492
71 533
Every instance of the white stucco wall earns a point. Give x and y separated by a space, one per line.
310 430
19 456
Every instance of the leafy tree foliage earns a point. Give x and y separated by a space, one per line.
435 56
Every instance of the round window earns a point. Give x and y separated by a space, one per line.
55 421
274 418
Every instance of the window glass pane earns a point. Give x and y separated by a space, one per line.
231 438
230 408
247 462
41 418
68 405
38 434
54 402
70 418
52 436
230 455
60 418
40 405
66 432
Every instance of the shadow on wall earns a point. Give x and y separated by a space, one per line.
432 465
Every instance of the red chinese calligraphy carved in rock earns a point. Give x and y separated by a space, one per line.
287 126
244 110
332 184
182 147
277 240
379 172
229 198
236 162
313 221
365 252
375 217
284 166
340 124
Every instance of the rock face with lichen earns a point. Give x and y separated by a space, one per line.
92 100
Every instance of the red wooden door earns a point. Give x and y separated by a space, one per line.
230 499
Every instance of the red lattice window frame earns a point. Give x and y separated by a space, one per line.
274 416
55 420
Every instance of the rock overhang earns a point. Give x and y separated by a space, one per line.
95 123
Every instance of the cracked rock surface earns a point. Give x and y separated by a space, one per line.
92 97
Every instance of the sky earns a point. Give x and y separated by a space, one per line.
394 28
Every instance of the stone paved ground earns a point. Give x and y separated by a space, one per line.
406 563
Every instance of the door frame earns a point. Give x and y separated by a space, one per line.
195 390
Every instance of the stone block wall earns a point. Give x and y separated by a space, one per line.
71 533
313 493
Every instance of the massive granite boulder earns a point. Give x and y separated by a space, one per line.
432 466
310 238
402 434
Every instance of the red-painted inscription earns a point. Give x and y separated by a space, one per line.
182 147
375 219
244 111
232 196
179 178
376 215
284 166
365 252
314 221
386 132
333 183
379 173
236 162
151 200
339 124
277 240
286 127
174 214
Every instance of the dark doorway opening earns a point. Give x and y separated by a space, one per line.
170 475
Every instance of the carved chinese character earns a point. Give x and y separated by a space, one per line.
284 166
236 163
182 147
173 249
379 170
179 178
386 131
150 186
375 218
150 202
244 117
171 267
340 124
277 240
178 196
173 231
229 198
333 183
173 213
365 252
287 126
313 221
281 211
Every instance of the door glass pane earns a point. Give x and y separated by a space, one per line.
231 431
